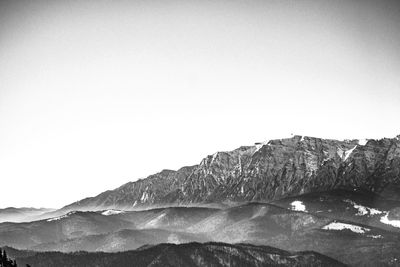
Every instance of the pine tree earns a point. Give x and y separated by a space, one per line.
5 261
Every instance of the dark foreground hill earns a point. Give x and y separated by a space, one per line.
190 254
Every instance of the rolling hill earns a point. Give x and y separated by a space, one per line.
191 254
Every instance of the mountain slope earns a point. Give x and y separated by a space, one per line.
108 230
12 214
157 188
266 171
71 225
356 206
341 233
191 254
120 241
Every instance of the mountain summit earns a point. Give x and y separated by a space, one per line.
266 171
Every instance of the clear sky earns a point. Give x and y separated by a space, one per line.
94 94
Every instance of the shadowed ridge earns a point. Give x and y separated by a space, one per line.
188 254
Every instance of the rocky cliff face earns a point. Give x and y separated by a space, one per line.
266 171
156 189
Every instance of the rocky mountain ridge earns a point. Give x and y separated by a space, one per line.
264 172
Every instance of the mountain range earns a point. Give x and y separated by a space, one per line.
336 198
266 171
354 227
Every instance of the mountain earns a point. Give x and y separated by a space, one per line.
356 206
122 240
191 254
326 222
337 198
107 230
266 224
158 188
12 214
71 225
263 172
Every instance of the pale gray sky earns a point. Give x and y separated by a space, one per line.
94 94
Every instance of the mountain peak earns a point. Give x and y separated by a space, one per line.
266 171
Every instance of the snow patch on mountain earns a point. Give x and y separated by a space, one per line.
385 219
347 153
145 197
61 217
112 212
340 152
214 156
260 145
375 236
344 154
345 226
362 210
57 218
298 206
362 142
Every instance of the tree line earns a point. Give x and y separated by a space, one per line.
5 261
